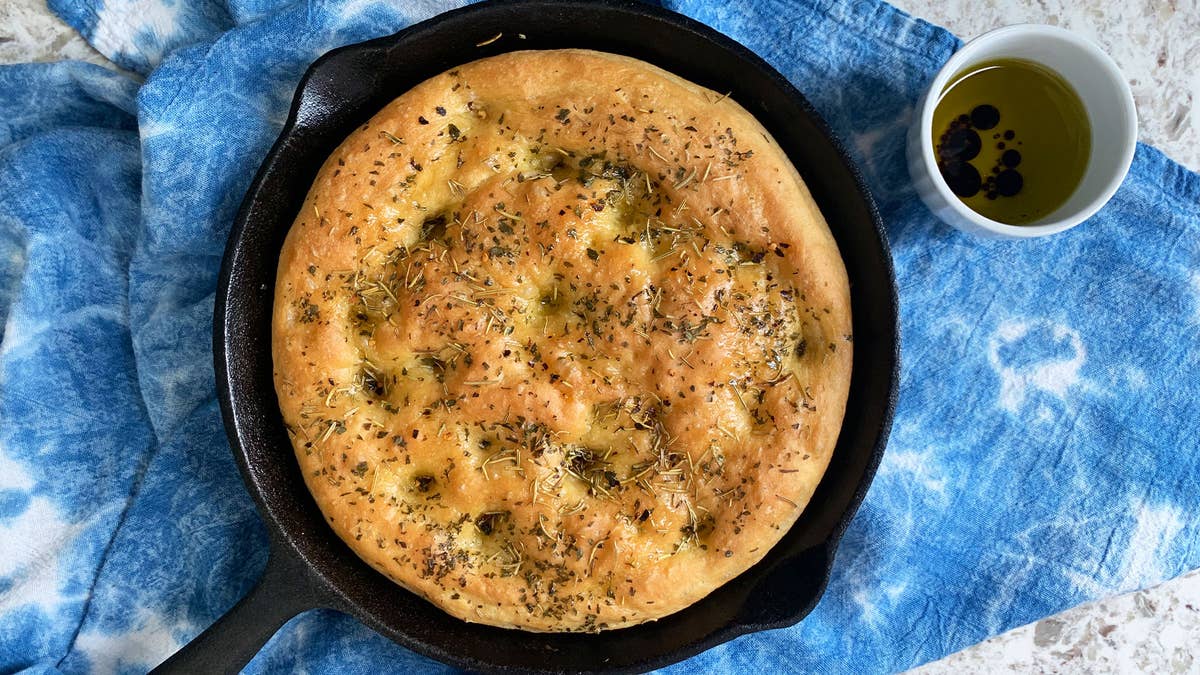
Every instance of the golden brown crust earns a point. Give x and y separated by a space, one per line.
562 341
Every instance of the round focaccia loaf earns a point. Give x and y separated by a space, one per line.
562 341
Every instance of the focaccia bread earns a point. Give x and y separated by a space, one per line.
562 341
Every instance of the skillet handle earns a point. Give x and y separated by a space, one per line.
284 591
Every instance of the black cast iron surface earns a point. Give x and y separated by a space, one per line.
310 567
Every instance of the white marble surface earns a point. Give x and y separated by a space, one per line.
1157 43
29 32
1150 631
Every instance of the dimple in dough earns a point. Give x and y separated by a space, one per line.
561 340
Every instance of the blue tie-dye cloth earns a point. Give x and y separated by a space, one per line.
1044 451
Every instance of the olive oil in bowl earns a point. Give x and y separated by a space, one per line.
1012 140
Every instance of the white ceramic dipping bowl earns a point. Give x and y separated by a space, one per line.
1105 95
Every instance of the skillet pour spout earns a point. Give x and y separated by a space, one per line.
309 567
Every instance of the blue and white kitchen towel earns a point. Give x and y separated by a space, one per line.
1044 453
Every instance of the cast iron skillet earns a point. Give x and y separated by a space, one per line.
309 567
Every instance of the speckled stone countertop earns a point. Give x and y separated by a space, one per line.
1151 631
1157 44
